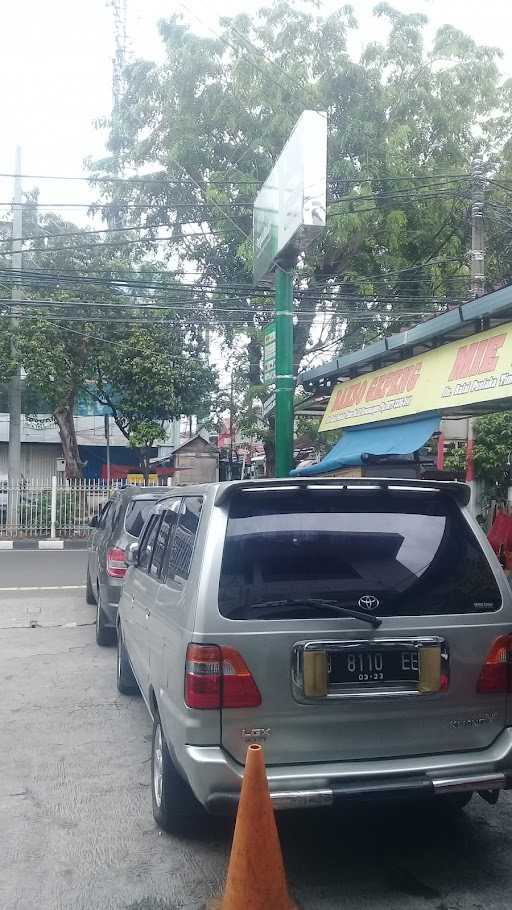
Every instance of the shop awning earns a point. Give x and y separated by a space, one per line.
401 438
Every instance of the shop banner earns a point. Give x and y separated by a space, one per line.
465 372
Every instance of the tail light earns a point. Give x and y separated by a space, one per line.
116 566
496 673
218 677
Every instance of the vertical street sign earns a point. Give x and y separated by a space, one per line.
269 354
289 214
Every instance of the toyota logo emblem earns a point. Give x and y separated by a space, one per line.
368 602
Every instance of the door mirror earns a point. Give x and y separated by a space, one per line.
131 554
94 522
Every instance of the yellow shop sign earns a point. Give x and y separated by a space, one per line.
462 373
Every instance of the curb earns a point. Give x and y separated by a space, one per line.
45 544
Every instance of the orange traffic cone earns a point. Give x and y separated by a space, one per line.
256 879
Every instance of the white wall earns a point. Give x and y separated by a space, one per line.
38 460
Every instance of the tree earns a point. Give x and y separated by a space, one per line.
153 377
404 124
76 338
493 452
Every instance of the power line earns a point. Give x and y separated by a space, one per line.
222 207
159 178
370 302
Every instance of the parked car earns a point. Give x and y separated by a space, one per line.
119 523
360 629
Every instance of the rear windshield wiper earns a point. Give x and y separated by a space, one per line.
320 602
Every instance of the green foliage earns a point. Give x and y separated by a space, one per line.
493 450
70 511
211 119
455 460
149 374
152 377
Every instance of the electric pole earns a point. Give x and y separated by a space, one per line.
285 383
477 289
14 390
477 230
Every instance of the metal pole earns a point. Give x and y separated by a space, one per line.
477 289
285 383
107 437
53 509
477 231
231 412
14 390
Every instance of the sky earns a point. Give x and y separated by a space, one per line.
56 72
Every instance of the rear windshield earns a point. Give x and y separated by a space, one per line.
136 514
397 554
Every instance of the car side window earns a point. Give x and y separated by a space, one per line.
148 540
182 546
104 513
164 537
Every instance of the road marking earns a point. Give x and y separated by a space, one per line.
47 588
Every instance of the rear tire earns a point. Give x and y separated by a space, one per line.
89 593
454 802
175 808
105 635
126 682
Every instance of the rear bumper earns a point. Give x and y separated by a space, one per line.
216 778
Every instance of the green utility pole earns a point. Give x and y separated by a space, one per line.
285 384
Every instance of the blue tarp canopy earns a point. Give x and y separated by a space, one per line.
399 438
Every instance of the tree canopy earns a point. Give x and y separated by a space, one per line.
83 332
405 121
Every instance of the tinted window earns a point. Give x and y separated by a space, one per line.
104 514
165 531
414 552
183 542
148 541
136 514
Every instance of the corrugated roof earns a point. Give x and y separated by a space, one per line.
468 319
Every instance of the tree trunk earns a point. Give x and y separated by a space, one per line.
270 448
145 463
63 417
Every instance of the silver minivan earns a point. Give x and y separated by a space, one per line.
360 629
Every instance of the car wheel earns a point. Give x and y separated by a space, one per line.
89 593
105 635
454 802
175 808
126 682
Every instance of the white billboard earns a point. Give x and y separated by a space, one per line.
290 209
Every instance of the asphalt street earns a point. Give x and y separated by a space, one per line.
76 826
34 568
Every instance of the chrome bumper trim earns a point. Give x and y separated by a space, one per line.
301 799
469 782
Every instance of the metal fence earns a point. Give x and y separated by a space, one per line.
50 509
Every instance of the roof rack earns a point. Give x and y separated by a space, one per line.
461 492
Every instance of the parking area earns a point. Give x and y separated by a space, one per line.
75 808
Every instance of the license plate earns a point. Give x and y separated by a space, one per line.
373 668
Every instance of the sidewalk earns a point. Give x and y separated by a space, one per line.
45 543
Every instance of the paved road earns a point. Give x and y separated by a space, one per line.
76 827
30 568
